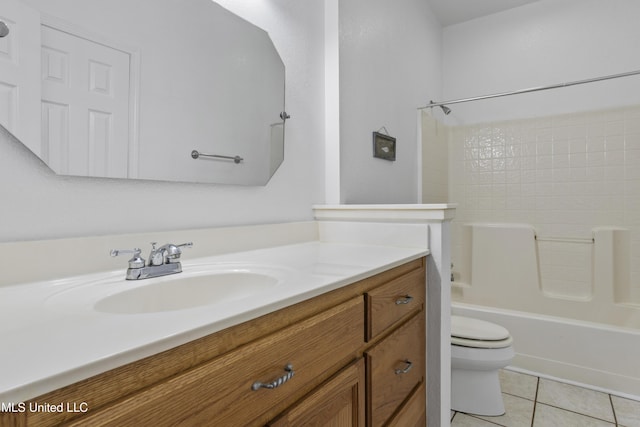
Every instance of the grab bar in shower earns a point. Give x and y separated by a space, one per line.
565 239
195 154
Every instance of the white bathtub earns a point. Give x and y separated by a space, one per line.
587 333
600 356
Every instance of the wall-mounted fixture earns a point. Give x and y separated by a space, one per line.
195 154
446 110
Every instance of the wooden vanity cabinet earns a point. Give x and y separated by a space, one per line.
351 357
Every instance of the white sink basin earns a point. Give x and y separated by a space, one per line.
186 292
198 286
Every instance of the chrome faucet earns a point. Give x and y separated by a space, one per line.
162 261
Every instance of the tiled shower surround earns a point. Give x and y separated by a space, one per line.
565 175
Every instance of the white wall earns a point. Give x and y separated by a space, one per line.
389 66
36 204
543 43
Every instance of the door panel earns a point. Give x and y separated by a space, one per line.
20 72
89 81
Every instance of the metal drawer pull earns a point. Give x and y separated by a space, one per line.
406 368
278 381
404 300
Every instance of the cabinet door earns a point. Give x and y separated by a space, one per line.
337 403
413 413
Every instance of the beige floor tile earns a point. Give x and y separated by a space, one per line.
558 405
627 411
464 420
518 384
519 412
548 416
583 401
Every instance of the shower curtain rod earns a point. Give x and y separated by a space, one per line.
533 89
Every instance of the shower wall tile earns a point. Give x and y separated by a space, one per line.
564 174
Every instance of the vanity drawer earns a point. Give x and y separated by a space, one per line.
395 366
213 392
389 304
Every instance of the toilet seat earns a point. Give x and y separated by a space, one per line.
478 333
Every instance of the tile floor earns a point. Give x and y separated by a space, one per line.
538 402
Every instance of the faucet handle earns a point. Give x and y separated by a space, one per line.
174 251
136 260
166 254
118 252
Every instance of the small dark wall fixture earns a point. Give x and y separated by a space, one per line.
384 146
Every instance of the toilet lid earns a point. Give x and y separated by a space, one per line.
478 333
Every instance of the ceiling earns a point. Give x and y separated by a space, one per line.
451 12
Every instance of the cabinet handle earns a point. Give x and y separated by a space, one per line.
404 300
406 369
277 382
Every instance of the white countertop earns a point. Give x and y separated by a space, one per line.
51 336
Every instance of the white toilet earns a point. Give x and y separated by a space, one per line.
479 350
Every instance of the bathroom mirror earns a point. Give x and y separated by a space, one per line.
126 89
